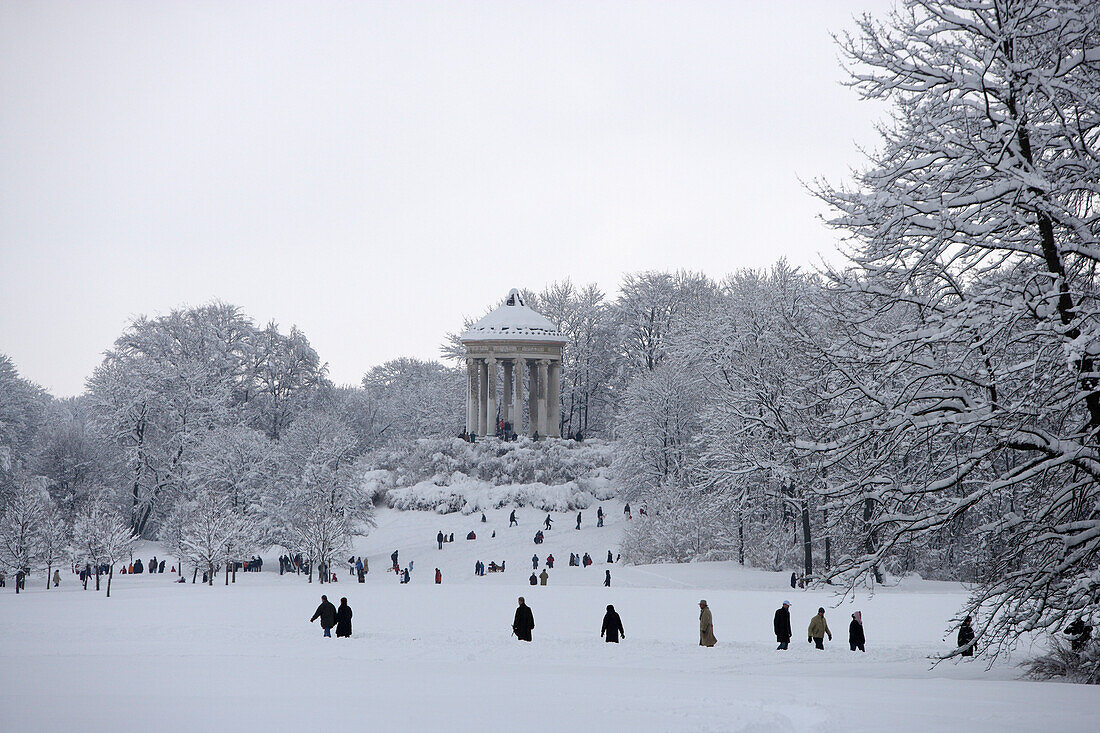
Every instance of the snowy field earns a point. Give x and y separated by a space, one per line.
174 657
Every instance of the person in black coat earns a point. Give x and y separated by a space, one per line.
794 580
782 624
524 622
1079 633
856 639
534 579
612 627
327 613
966 637
343 619
439 538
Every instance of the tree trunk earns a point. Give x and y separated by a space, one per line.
828 539
110 575
807 547
869 539
740 538
97 578
49 572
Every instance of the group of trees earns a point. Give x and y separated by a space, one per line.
198 429
934 403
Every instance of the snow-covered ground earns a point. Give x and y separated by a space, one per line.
163 656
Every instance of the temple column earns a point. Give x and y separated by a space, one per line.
471 396
532 398
554 398
543 384
506 395
517 396
491 380
482 396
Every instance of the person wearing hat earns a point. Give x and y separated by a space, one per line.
856 639
706 626
819 627
782 625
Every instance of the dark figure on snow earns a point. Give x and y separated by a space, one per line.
626 510
706 626
327 613
610 559
438 576
548 522
483 519
524 622
607 579
966 638
782 624
550 561
543 577
343 619
534 578
578 520
856 639
439 539
794 580
599 516
1079 633
393 557
405 576
819 627
534 562
512 519
471 535
160 568
451 537
612 627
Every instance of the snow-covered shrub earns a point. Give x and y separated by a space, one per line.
1064 664
451 475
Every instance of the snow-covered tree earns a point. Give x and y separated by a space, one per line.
412 399
23 525
969 380
101 537
207 531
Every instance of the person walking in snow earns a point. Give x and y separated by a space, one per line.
534 578
794 580
612 627
512 519
610 559
819 627
578 520
543 577
56 578
966 638
327 613
404 576
587 560
599 516
782 624
438 577
548 522
534 562
607 579
393 557
856 639
524 622
343 619
550 561
439 539
706 626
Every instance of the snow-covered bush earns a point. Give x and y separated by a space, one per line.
451 475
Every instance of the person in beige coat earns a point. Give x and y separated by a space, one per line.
706 626
819 627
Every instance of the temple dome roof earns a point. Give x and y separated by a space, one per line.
513 320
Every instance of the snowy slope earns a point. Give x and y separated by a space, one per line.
425 657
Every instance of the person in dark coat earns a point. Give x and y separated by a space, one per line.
343 619
794 580
856 639
512 519
548 522
607 579
534 578
610 559
438 576
327 613
612 627
782 624
439 539
524 622
578 520
534 562
966 637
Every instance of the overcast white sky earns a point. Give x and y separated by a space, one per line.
373 172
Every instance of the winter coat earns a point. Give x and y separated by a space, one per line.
706 628
343 620
543 577
612 627
966 635
523 623
534 579
855 633
782 624
327 613
819 627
